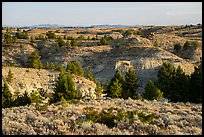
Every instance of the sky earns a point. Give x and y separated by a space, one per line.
96 13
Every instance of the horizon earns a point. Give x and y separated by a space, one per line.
101 13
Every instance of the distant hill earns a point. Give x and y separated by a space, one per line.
114 26
65 26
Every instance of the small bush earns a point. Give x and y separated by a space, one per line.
146 118
63 102
22 100
34 61
36 98
186 45
138 96
177 47
110 118
10 76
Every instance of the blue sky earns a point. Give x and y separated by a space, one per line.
93 13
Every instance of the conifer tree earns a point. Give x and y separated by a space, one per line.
74 43
116 89
65 87
165 79
47 65
6 96
120 80
10 76
32 39
130 84
99 89
196 84
89 75
68 44
75 68
152 92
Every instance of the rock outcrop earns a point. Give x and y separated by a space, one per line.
28 79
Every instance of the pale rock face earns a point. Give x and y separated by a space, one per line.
31 79
86 87
123 65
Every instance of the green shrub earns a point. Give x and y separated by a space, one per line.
22 100
34 61
43 107
22 35
32 39
195 43
89 75
110 118
51 35
57 47
63 102
75 68
74 43
156 44
99 89
61 42
35 98
10 76
127 33
186 45
177 47
6 96
138 96
146 118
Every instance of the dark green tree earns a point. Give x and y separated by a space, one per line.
81 37
51 35
36 98
196 84
165 79
22 100
177 47
68 44
8 38
116 89
61 42
10 76
65 87
32 39
57 47
74 43
127 33
130 84
180 86
103 41
75 68
14 39
89 75
6 96
152 92
99 89
112 85
47 65
186 45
